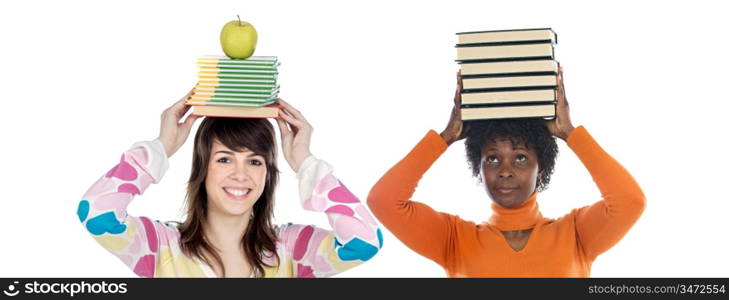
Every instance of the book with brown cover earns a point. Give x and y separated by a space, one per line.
269 111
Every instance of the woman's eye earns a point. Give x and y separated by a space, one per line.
492 160
256 162
223 160
521 158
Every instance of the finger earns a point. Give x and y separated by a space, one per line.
190 120
187 125
180 105
283 103
459 88
562 95
283 127
294 112
295 123
185 98
181 111
285 106
292 129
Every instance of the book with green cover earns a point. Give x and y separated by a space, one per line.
208 67
241 97
248 76
253 60
219 72
235 92
237 81
235 96
231 103
210 86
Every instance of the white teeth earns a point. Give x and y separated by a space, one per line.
237 192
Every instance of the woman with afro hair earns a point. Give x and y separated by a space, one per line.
514 158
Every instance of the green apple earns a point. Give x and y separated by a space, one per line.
238 39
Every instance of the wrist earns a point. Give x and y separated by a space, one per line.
447 137
300 161
567 132
166 147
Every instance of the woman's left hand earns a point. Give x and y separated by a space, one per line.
295 135
561 126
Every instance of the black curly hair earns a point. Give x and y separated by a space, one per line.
531 132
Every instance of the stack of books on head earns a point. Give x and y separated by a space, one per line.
507 74
242 88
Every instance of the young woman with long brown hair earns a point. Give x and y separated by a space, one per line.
230 196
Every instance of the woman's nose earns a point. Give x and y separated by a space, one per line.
240 173
506 171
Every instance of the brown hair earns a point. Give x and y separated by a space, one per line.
256 135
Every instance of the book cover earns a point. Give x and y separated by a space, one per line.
219 72
260 60
513 36
250 76
234 92
504 53
508 112
533 67
518 96
270 111
231 103
509 83
237 67
204 86
240 97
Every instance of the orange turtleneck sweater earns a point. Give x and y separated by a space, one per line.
565 247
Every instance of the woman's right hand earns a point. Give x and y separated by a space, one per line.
455 130
172 133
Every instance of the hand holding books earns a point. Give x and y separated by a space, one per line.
455 131
561 126
295 134
172 133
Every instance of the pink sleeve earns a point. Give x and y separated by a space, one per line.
103 209
354 238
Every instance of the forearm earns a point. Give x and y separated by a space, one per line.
618 188
355 236
103 210
603 224
417 225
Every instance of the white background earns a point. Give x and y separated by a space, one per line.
82 81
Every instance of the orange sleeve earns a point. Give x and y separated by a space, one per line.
418 226
601 225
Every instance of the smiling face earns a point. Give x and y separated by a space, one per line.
509 170
234 181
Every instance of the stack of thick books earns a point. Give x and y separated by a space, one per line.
507 74
242 88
